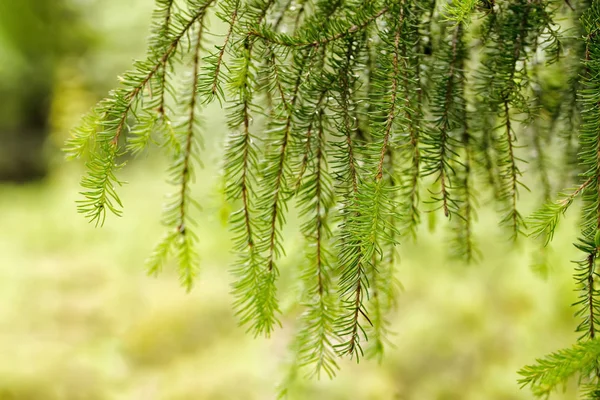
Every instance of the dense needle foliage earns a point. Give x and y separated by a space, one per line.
366 116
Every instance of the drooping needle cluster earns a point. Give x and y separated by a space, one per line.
363 115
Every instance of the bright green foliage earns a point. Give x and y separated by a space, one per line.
545 220
361 115
552 371
582 359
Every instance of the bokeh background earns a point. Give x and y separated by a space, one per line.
80 320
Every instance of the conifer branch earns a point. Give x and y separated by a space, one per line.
111 115
290 41
439 150
279 185
355 108
163 12
545 220
411 215
346 146
99 186
177 216
459 12
463 244
317 336
555 369
512 217
241 157
233 12
582 359
369 215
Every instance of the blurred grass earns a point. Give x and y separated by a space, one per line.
81 320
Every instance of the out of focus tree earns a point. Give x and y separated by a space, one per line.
35 35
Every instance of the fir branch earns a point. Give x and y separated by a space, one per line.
99 186
585 272
252 305
555 369
212 76
545 220
504 75
439 150
111 116
255 301
355 108
277 174
368 218
317 337
459 12
344 29
177 213
163 14
411 216
511 173
161 252
589 308
463 244
347 169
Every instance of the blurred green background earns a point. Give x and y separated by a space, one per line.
80 320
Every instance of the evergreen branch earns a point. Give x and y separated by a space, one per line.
440 143
413 114
392 113
347 169
163 13
355 84
99 186
368 216
176 214
189 134
257 10
277 78
253 304
463 243
556 368
278 189
307 153
317 337
504 75
161 252
254 290
290 41
384 286
132 94
545 220
590 308
210 85
105 125
512 217
224 46
459 12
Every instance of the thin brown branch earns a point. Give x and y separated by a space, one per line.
190 133
392 113
215 82
280 167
